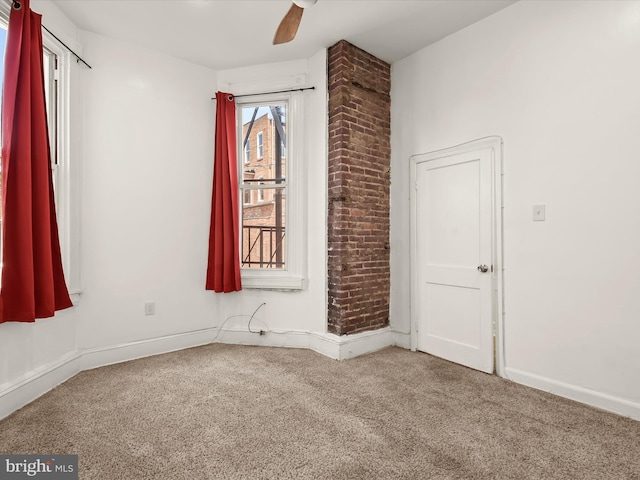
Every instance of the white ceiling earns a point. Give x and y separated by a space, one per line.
224 34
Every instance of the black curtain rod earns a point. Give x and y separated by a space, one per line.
78 57
267 93
17 5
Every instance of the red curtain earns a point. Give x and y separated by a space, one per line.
33 283
223 269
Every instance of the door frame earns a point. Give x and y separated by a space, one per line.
495 144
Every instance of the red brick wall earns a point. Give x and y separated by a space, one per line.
359 164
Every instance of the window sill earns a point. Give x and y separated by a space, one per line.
273 282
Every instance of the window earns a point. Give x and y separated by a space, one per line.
260 146
271 246
50 64
247 151
57 64
264 226
261 190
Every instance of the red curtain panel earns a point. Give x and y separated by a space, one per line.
223 269
33 284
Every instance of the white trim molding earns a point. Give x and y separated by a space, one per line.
124 352
293 276
594 398
17 394
330 345
350 346
495 146
401 339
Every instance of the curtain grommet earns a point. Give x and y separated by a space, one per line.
17 5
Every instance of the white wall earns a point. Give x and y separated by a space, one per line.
148 142
148 163
559 82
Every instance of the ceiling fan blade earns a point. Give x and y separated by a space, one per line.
289 25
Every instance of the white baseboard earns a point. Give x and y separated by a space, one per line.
101 356
590 397
289 339
402 340
327 344
36 383
350 346
19 393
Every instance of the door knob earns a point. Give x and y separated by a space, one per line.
483 268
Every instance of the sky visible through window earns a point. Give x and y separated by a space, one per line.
247 113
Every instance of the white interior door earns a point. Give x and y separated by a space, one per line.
453 256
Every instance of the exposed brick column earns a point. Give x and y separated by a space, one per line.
359 164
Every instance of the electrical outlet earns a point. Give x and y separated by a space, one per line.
150 308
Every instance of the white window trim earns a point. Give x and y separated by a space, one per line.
67 196
67 186
293 277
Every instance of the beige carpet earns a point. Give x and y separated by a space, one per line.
234 412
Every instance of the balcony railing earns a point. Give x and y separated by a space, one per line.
265 246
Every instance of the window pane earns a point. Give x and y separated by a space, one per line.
49 60
263 185
260 145
263 230
264 127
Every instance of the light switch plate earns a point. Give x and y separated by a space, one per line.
538 213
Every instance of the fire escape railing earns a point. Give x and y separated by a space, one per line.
265 246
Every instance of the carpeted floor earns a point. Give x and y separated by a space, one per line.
234 412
